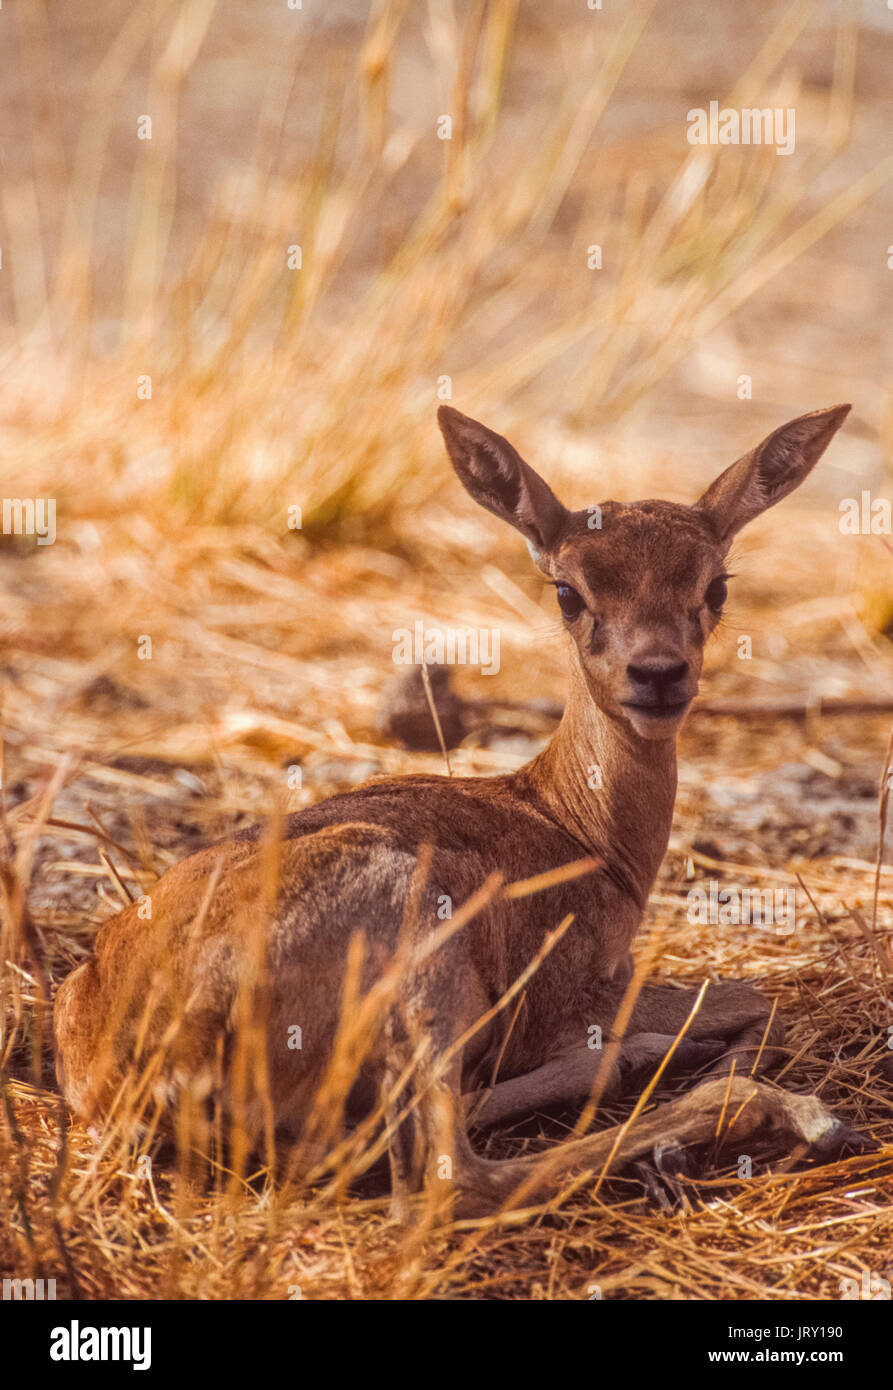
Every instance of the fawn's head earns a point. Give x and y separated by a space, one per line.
640 585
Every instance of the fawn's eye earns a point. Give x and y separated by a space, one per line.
717 591
569 601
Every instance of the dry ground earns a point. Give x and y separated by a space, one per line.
271 647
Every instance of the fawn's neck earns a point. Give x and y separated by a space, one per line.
611 789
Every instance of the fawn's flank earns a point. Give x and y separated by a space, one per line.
268 931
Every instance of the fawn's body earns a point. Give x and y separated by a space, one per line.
633 597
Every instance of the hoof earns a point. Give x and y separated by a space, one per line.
664 1175
841 1141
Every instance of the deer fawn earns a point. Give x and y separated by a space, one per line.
639 598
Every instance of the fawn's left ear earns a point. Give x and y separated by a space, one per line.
772 470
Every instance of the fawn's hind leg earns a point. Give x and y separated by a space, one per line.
422 1077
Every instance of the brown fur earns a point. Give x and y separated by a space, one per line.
351 865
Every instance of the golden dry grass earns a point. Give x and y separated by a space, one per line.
271 647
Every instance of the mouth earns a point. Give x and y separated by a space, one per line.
663 711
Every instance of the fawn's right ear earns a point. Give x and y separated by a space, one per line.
496 476
769 472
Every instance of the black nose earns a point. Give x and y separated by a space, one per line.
659 679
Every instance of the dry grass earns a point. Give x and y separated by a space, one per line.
274 388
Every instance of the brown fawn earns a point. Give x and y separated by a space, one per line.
639 595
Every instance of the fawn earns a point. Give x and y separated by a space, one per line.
639 597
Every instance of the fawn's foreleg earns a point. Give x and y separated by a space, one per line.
731 1012
572 1077
732 1024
